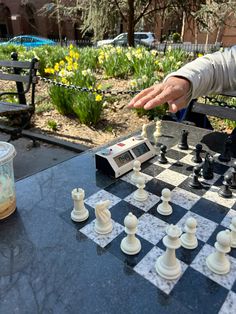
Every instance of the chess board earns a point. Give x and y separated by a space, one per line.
206 291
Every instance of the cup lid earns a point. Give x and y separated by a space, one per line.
7 152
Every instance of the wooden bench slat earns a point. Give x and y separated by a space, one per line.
16 64
6 108
215 111
14 77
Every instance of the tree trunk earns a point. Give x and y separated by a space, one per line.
183 26
131 22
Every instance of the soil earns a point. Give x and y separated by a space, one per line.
117 120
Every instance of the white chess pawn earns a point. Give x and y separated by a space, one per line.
167 265
79 212
136 171
157 132
140 194
164 208
103 222
218 262
233 232
130 244
144 131
189 239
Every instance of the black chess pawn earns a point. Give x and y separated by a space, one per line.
194 182
197 157
207 167
183 144
162 156
225 190
225 156
233 177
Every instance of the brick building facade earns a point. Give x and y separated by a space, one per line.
21 17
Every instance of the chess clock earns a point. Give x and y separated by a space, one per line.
118 159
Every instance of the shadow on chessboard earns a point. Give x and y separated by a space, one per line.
215 141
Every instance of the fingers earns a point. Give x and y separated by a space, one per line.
177 104
140 96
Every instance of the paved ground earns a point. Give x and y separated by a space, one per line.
30 160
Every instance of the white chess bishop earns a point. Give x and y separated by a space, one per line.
103 222
130 244
144 131
167 265
189 239
233 232
157 132
140 194
79 212
136 171
164 208
218 262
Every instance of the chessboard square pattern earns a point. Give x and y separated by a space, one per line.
210 210
220 168
171 177
145 205
155 186
167 165
229 306
199 264
177 214
127 177
151 169
130 260
198 293
182 168
185 186
175 155
102 239
151 228
205 227
213 196
188 159
120 188
101 196
122 209
228 218
185 255
146 268
183 198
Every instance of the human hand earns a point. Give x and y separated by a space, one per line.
174 91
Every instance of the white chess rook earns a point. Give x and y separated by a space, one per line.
140 194
79 212
130 244
103 222
136 171
189 239
167 265
218 262
233 232
164 208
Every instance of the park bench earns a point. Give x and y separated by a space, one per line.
23 73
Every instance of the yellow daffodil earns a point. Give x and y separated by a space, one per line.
64 81
62 62
98 97
56 67
200 55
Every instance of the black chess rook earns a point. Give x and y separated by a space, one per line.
183 144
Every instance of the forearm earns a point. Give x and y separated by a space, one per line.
213 73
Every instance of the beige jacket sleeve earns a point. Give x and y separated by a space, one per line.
210 74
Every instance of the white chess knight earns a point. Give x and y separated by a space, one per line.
103 222
79 212
136 171
157 132
140 194
144 131
130 244
189 239
167 265
233 232
217 261
164 208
